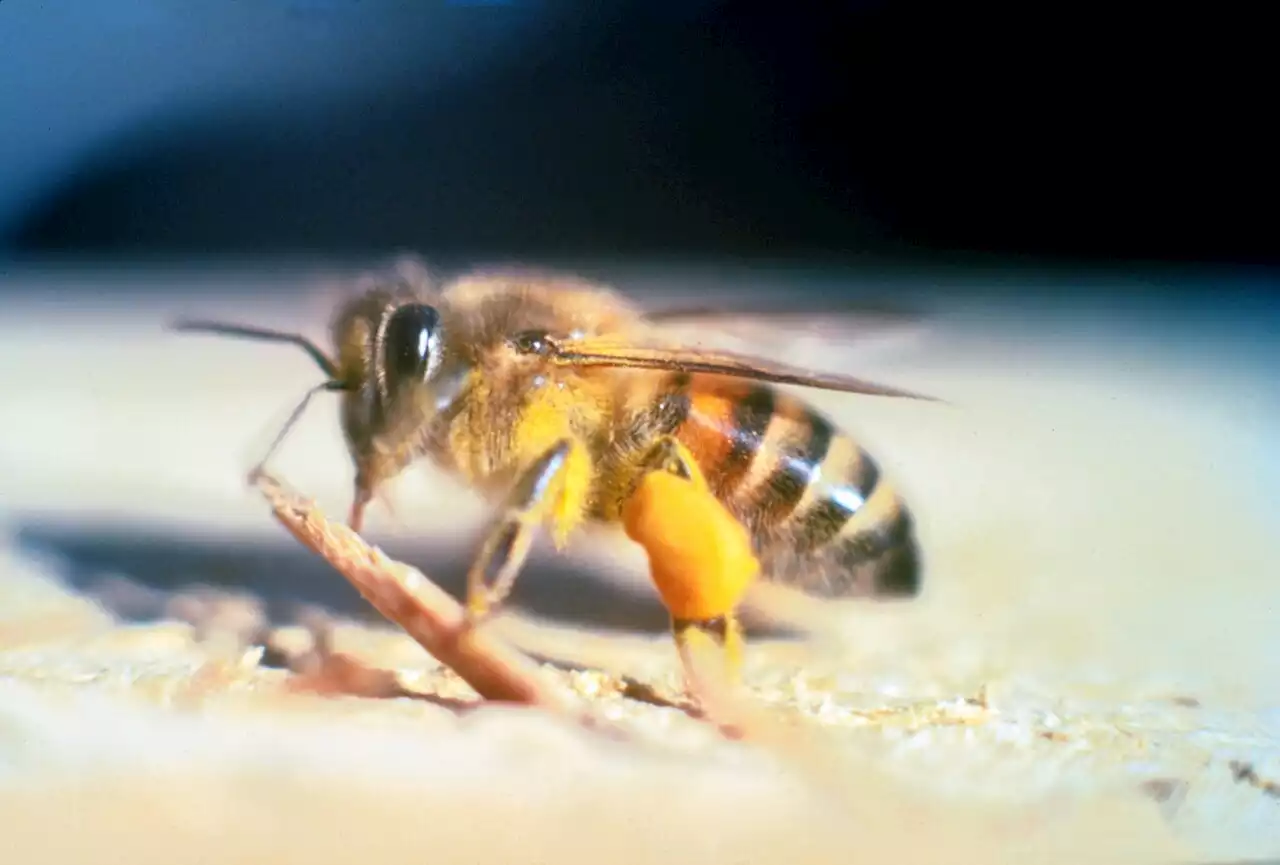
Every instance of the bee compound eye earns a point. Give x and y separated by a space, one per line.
409 343
532 342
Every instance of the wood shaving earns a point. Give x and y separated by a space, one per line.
422 609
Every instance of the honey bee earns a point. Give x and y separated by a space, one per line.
555 398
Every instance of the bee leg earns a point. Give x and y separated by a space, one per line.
701 558
723 632
668 455
531 501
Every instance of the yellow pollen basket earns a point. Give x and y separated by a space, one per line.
700 555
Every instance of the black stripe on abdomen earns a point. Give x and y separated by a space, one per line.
884 556
798 465
836 505
751 417
672 405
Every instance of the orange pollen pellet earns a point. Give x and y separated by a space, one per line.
700 555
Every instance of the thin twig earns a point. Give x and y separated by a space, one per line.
426 612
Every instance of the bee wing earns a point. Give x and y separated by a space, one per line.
609 352
862 313
858 330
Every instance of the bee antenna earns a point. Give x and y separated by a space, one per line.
321 359
288 425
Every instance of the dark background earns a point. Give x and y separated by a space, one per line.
536 128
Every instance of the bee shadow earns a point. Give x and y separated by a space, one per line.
285 577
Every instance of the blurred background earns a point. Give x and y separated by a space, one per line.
543 128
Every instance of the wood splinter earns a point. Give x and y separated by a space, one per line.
428 614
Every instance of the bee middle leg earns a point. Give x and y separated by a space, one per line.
535 499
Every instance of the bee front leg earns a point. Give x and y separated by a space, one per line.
701 557
536 497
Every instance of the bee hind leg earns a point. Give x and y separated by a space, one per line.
701 557
537 497
724 636
668 455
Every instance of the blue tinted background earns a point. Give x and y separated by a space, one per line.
536 127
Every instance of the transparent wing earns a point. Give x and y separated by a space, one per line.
810 333
610 352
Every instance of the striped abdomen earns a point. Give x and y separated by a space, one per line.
823 517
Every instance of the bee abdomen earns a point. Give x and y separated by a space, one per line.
823 517
880 560
823 500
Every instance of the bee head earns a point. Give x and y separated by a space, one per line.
390 350
390 347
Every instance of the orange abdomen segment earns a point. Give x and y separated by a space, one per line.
709 430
